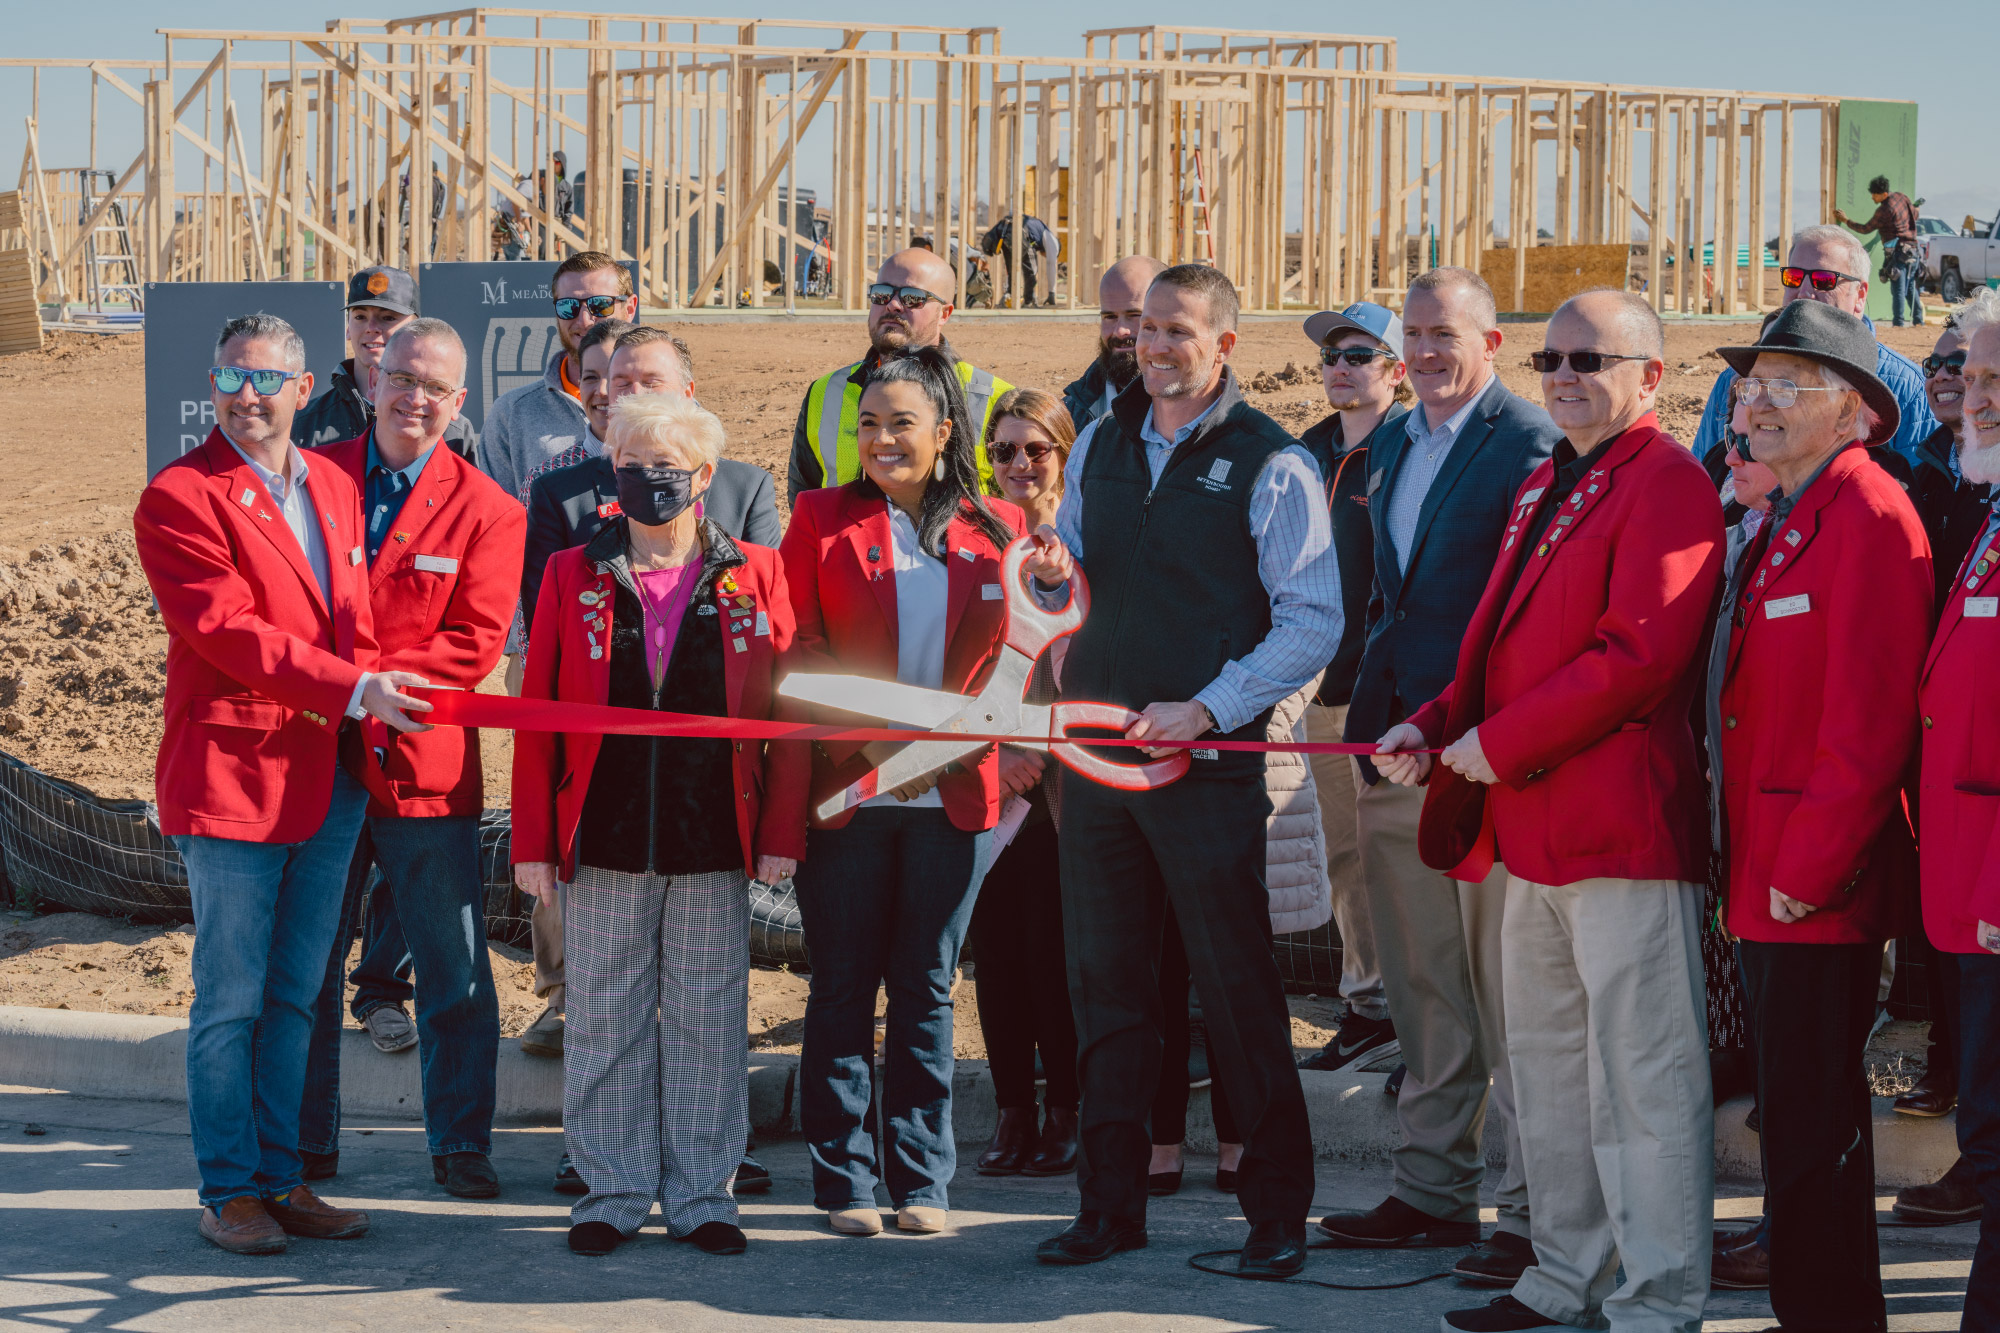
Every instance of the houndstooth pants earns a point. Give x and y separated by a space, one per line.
655 1065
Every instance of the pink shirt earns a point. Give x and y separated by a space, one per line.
664 593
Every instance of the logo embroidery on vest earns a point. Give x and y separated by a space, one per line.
1218 476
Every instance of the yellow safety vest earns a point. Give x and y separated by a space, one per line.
833 409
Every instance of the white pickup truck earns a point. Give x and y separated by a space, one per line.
1956 265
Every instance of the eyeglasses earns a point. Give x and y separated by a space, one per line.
1583 363
913 298
1955 363
567 307
1782 393
1354 356
1003 452
229 379
403 382
1823 279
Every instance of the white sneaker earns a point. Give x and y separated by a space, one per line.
390 1028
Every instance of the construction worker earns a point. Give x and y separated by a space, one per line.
909 304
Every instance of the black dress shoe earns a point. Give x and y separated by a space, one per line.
1502 1315
1092 1237
1499 1262
751 1177
1013 1143
594 1239
1225 1180
1056 1150
1953 1198
1162 1183
567 1180
717 1238
468 1175
1274 1252
1934 1095
1392 1086
319 1165
1393 1224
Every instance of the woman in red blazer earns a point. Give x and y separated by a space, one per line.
895 575
655 838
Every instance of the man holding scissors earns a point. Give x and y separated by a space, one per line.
1202 529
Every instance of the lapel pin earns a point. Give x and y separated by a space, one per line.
249 497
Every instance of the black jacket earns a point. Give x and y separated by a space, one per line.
1416 617
1084 396
566 508
1953 510
1345 471
341 413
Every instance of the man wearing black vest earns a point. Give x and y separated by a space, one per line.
1202 528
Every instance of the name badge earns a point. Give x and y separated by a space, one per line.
1982 608
355 557
436 564
1779 608
964 554
763 624
990 592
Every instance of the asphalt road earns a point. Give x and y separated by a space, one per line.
97 1230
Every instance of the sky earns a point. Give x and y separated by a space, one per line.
1832 47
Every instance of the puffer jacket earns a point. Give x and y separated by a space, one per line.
1295 857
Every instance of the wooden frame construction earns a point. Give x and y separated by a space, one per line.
1309 167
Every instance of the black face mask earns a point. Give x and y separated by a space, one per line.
654 496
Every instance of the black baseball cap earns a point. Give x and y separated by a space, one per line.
389 288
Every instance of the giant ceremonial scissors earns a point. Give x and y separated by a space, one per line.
998 708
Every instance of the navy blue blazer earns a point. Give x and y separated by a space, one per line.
1417 616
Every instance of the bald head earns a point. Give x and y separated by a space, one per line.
902 323
1124 284
1121 300
1593 406
920 267
1627 323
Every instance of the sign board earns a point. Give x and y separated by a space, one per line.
505 312
1876 139
182 319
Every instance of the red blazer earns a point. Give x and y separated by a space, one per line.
1819 713
442 590
845 606
1579 669
552 769
1961 763
260 667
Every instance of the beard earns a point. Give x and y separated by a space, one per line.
1120 361
1980 461
891 339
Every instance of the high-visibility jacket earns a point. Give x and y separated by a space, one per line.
833 408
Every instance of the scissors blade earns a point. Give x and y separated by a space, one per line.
915 760
911 705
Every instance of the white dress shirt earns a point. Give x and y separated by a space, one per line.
923 587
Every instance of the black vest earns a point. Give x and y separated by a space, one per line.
1174 588
1345 472
664 805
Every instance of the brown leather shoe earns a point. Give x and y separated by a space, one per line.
1745 1268
241 1226
1055 1155
1013 1143
1942 1202
303 1215
1393 1224
1934 1095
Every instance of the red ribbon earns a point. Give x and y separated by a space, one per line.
462 709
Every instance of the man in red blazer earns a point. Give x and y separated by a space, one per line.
1960 798
1571 758
1812 724
443 545
254 557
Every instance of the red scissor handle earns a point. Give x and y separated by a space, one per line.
1030 629
1109 772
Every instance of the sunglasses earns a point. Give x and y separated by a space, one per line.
1583 363
1955 363
230 379
1003 453
1823 279
567 307
1782 393
913 298
1354 356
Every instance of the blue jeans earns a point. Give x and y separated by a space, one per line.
383 974
886 900
431 865
265 914
1904 291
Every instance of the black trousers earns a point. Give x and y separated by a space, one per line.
1020 974
1941 973
1979 1126
1811 1007
1168 1123
1199 845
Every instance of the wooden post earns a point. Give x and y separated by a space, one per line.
1656 204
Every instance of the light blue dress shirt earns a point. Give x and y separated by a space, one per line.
1423 458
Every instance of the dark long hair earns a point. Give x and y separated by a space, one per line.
958 490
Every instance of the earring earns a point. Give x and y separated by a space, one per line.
938 471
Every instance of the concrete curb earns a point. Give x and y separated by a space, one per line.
142 1058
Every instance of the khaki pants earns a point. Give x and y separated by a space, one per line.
1609 1046
545 928
1439 943
1336 778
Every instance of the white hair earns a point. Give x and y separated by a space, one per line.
668 420
1980 312
1868 418
1826 234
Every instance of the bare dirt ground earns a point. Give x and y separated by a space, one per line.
82 650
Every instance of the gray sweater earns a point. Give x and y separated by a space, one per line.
527 427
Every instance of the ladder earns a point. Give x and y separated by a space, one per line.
109 262
1194 205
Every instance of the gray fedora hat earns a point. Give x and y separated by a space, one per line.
1836 340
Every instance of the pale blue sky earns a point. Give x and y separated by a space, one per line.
1833 47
